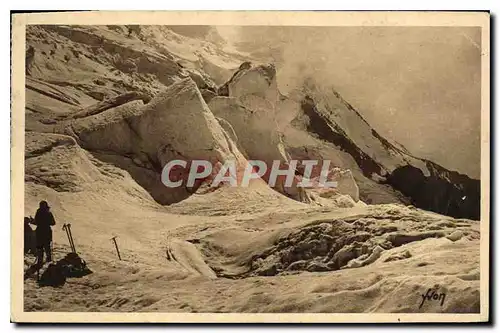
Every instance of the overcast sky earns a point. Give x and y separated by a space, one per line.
419 86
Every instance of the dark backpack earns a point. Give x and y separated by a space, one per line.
75 265
70 266
53 276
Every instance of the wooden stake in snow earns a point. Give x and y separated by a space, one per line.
116 246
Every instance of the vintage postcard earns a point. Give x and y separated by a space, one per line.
250 167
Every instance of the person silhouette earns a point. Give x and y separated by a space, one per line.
43 221
29 237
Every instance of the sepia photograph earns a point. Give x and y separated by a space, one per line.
250 167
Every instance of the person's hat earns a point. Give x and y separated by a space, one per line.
44 204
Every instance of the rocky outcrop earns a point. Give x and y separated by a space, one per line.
30 58
331 132
427 184
445 192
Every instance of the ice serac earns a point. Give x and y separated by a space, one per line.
250 79
347 184
143 138
428 185
257 135
55 162
177 123
251 102
247 101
